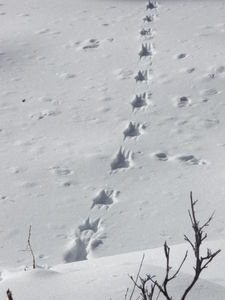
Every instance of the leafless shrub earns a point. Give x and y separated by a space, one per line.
149 287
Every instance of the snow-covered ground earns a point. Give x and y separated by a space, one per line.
107 121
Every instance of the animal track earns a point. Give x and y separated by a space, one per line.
220 70
142 76
90 44
105 198
162 156
209 92
87 238
122 160
216 72
148 19
43 31
187 159
133 130
190 70
183 101
151 5
146 50
181 55
146 32
43 114
66 76
140 101
60 171
191 160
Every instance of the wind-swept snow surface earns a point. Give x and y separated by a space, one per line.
110 113
107 277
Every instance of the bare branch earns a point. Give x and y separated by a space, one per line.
9 294
30 248
137 277
201 263
127 291
181 264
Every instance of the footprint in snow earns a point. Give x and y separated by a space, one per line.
146 50
46 99
151 5
190 70
220 70
183 102
43 31
133 130
187 159
88 237
122 160
24 15
143 76
44 114
66 76
209 92
90 44
181 56
60 171
72 44
105 198
162 156
191 160
140 101
148 19
146 32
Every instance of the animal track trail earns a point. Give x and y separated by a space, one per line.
90 234
105 198
88 237
122 160
134 130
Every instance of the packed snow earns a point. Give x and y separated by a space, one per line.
111 112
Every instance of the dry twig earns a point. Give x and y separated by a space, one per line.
201 262
9 294
30 248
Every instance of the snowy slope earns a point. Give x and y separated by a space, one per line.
107 277
107 121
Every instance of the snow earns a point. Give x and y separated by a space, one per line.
107 277
108 119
